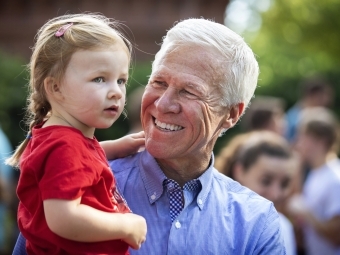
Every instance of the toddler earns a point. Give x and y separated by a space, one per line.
69 203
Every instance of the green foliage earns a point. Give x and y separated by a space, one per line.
298 38
13 80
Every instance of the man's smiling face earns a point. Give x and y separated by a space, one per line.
181 112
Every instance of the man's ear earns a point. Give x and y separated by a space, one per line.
52 87
235 112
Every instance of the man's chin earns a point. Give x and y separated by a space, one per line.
158 150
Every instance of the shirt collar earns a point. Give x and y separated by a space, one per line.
153 178
206 183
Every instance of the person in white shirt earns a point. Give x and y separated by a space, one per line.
318 207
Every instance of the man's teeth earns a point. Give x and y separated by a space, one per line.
167 126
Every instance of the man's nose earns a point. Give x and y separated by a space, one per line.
168 101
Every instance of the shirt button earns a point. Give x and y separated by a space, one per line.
153 197
200 202
178 224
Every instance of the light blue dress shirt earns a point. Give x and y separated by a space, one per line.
223 217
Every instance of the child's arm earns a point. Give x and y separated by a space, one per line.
124 146
78 222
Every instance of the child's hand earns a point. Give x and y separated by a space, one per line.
138 230
125 146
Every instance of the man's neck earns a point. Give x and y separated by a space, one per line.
184 169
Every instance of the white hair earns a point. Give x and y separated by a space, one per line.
237 65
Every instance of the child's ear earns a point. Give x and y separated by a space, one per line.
234 114
52 87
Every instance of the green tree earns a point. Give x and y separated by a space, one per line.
297 39
13 77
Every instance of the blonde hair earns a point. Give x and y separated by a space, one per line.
51 56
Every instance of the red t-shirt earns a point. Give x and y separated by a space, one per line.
61 163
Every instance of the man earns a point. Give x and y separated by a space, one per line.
202 80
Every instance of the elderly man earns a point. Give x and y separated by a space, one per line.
202 80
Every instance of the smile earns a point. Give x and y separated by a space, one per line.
168 127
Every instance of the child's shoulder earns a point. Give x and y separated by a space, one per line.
58 133
56 137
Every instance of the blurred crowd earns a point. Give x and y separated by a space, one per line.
289 156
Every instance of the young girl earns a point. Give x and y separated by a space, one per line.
69 203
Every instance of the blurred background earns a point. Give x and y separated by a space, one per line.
294 40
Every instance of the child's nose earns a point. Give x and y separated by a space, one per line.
115 91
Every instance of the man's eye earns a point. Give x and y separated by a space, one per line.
99 79
189 93
158 83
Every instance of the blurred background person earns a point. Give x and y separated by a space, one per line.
315 91
317 210
8 231
265 113
263 162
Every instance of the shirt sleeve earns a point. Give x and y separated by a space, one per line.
271 239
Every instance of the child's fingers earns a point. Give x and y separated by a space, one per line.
140 140
138 135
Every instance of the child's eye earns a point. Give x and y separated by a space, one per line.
99 79
121 82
